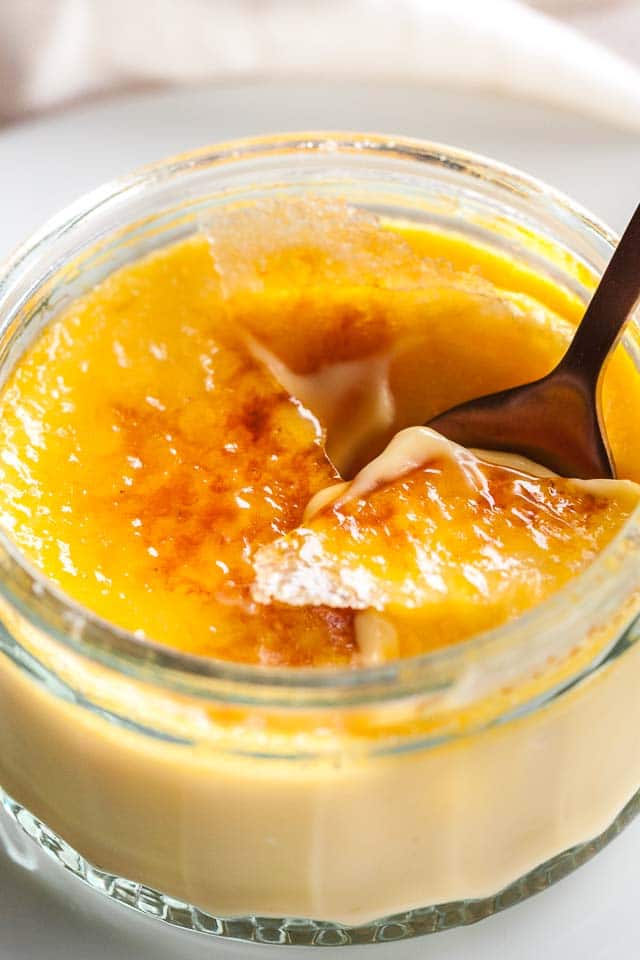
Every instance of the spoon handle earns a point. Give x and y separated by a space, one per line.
610 307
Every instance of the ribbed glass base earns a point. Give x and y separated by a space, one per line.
17 825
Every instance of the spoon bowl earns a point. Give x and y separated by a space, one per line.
556 421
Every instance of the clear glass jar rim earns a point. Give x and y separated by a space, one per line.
120 649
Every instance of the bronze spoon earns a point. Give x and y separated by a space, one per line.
556 421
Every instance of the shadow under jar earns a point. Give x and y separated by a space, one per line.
317 806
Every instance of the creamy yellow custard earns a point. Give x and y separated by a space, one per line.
181 416
179 422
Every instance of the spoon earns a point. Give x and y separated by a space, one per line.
556 421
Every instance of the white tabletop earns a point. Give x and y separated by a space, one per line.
43 165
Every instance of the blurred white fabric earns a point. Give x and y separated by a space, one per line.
56 51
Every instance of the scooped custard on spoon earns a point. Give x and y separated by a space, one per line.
441 540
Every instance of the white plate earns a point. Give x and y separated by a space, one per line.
45 164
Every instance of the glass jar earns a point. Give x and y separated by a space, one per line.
313 806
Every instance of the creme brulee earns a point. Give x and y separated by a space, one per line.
180 417
219 449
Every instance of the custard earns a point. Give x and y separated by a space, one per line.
170 447
180 417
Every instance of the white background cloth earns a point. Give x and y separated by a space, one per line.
56 51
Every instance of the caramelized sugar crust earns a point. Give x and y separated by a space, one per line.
446 549
148 451
146 456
